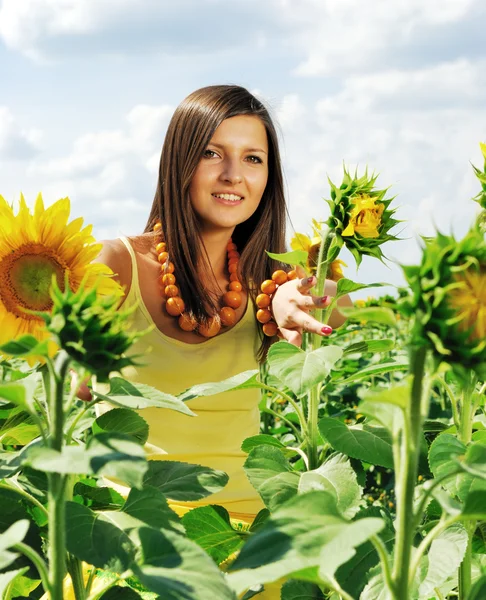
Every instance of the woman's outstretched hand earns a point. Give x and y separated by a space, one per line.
293 302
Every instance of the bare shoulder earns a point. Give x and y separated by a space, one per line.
115 255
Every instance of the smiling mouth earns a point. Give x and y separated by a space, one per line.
228 197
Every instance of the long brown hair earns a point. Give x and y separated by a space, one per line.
190 131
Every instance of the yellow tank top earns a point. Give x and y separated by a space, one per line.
213 438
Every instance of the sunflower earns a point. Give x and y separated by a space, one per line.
36 247
449 300
300 241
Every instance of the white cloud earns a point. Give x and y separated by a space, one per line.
16 143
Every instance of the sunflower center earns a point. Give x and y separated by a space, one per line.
25 279
469 302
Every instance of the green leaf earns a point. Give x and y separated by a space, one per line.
443 559
366 445
475 504
27 345
13 535
271 475
110 454
300 370
369 346
23 586
338 473
15 392
123 420
374 370
346 286
184 482
241 381
150 506
375 589
99 498
260 440
475 459
301 590
373 314
120 593
138 395
178 569
210 528
9 576
100 538
307 532
296 257
443 454
478 590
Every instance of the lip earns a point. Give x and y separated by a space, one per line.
228 202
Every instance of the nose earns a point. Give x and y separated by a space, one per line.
231 172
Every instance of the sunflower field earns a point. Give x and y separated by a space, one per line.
371 460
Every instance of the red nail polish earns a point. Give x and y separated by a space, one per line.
326 330
310 280
324 299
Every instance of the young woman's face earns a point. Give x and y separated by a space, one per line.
232 174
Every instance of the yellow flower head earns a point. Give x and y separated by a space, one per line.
34 247
365 217
300 241
468 300
336 269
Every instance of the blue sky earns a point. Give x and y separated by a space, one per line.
88 87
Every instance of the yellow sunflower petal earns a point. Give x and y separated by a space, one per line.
300 241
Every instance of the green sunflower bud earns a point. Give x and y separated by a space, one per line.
481 197
449 300
360 217
91 329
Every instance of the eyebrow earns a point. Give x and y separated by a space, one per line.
246 150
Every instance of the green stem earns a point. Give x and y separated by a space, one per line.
75 568
78 417
290 400
468 410
10 484
312 428
407 477
384 560
285 420
38 562
57 482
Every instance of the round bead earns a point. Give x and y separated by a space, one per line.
233 261
270 328
279 277
231 247
158 226
187 322
175 306
168 279
292 275
268 286
232 299
234 277
162 257
210 328
235 286
233 254
227 316
167 268
233 268
263 315
161 247
263 300
171 291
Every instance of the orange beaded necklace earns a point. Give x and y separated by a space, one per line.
174 304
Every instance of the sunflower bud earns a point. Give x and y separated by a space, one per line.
91 329
359 216
449 300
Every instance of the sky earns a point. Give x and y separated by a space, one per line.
88 88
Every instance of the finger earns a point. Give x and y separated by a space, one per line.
306 284
301 272
293 336
311 325
313 302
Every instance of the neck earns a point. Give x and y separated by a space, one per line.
215 244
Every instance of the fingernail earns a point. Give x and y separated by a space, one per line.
309 280
324 299
326 330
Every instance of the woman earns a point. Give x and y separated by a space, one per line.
219 205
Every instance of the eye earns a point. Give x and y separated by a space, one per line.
209 153
255 159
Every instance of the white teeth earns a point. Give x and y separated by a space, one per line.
231 197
